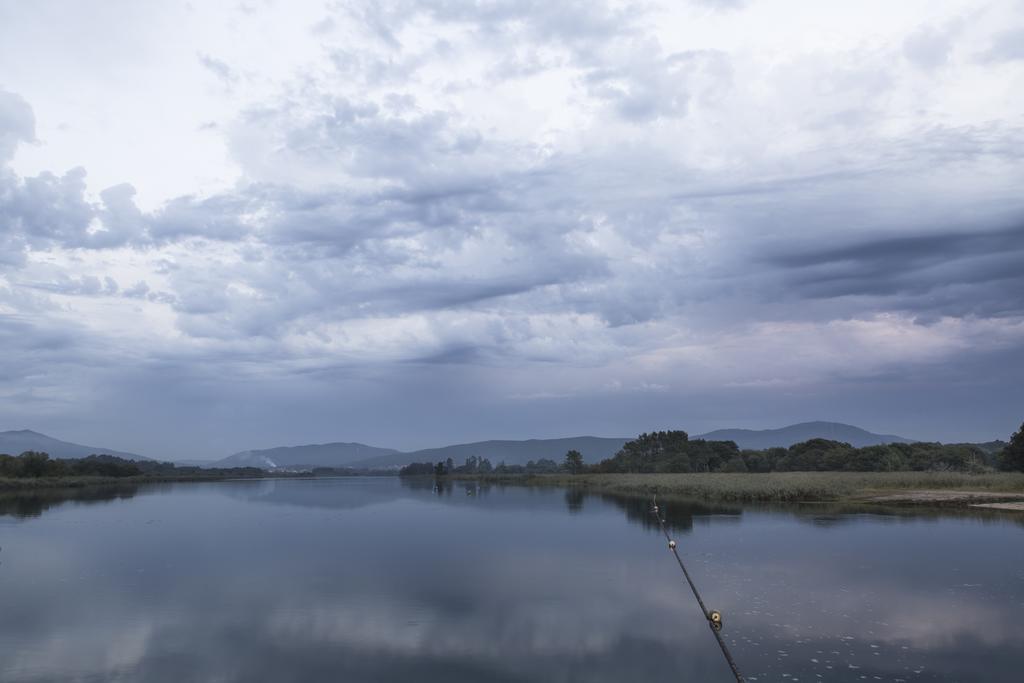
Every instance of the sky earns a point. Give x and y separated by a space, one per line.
246 224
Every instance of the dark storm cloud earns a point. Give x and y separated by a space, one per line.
948 273
20 334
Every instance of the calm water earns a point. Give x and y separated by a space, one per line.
381 580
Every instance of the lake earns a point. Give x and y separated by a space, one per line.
377 579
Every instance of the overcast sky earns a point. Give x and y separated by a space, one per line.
245 224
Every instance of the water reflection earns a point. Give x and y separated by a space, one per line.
829 515
381 580
28 504
678 513
574 498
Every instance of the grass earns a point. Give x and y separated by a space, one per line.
783 486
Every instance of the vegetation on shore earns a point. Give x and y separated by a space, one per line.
674 452
668 463
779 486
34 471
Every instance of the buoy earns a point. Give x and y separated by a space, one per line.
715 616
672 545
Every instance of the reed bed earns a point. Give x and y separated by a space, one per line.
787 486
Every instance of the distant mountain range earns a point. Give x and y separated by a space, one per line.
360 455
593 448
315 455
512 452
785 437
17 442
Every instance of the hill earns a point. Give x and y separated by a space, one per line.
593 448
519 452
314 455
758 439
19 441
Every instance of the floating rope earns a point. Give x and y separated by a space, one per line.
713 616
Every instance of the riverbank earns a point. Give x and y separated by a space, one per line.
15 485
890 488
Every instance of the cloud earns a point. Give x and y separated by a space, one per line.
219 68
531 199
1006 46
943 273
722 4
17 124
928 48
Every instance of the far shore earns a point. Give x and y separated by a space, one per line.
938 489
28 484
996 490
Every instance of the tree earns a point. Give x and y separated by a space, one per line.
1012 457
542 466
417 469
34 463
647 452
573 461
735 464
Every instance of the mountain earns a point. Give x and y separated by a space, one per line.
17 442
593 448
313 455
787 436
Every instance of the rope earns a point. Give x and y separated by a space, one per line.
713 617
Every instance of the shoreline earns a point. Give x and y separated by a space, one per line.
933 489
1002 491
29 485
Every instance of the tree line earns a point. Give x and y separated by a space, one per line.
477 465
674 451
36 464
